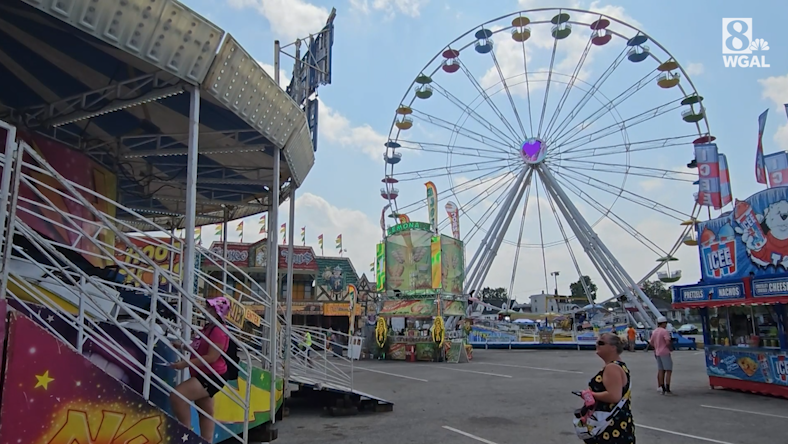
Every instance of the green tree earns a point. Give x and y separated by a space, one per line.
656 290
576 288
494 294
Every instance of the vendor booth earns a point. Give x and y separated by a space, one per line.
420 274
742 294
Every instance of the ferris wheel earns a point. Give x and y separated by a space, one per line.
561 136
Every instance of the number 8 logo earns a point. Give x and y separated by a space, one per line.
738 35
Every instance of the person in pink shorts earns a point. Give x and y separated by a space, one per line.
663 345
199 388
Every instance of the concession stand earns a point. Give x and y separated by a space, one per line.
420 275
743 293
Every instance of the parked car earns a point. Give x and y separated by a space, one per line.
688 329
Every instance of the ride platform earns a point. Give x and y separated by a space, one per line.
340 400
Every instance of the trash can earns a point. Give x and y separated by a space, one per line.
410 353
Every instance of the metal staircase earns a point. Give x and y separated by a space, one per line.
77 272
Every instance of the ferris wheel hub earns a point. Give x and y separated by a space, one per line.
533 151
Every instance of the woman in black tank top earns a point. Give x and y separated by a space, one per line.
609 386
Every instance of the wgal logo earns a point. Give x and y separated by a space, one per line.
738 44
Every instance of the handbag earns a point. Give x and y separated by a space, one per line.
591 423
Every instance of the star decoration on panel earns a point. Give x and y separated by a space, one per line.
43 380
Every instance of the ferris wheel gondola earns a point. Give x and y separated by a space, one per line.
502 137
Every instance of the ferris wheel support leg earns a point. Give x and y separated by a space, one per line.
631 289
472 270
485 269
613 281
609 262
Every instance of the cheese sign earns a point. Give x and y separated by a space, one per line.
770 287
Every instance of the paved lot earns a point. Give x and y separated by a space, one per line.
505 397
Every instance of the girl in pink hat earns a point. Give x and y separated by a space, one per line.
199 388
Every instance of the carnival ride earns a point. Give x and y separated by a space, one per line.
122 123
533 150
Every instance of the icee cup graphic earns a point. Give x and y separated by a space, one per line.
749 226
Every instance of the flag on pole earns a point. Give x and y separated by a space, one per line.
777 168
760 165
726 195
263 225
240 230
372 266
320 241
198 235
219 230
303 235
339 243
283 232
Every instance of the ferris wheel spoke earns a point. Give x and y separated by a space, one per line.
453 150
437 121
508 94
606 108
590 92
477 224
483 93
629 147
547 87
568 88
527 88
499 183
460 188
541 237
618 191
617 127
657 173
471 111
612 216
449 170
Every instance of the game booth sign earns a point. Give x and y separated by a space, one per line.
742 294
421 273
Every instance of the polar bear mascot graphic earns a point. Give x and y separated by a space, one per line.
774 222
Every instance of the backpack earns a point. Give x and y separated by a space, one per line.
232 367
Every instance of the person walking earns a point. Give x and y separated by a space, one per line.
611 389
631 337
663 345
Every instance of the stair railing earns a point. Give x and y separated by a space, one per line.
60 269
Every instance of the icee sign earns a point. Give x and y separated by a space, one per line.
738 45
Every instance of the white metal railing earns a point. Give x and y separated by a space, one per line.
328 360
88 298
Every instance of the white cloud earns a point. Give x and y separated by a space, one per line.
336 129
694 69
289 19
775 88
359 232
391 8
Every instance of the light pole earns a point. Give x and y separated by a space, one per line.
555 274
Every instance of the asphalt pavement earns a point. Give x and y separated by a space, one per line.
507 397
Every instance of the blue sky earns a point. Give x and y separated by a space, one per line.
381 45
